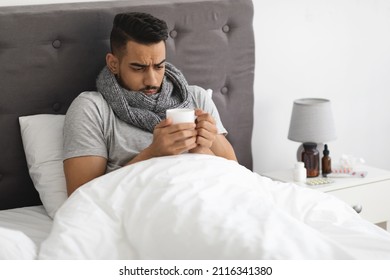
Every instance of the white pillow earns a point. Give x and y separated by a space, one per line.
43 146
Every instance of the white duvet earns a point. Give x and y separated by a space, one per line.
204 207
15 245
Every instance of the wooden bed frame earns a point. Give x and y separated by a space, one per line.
51 53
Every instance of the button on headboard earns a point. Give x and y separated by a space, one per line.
51 53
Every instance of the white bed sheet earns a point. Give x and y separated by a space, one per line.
32 221
204 207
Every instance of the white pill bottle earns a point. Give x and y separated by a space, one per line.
299 172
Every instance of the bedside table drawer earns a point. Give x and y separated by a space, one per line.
373 198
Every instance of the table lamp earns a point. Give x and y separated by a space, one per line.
312 124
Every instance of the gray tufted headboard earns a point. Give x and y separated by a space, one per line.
51 53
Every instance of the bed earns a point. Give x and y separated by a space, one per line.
178 207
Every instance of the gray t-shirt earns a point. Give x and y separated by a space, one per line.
92 129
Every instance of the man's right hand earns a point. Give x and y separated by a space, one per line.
169 139
173 139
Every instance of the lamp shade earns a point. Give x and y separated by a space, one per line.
312 121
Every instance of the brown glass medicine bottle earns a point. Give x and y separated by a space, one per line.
311 158
326 162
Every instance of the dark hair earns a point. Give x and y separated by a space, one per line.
139 27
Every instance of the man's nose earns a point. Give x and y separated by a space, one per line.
150 78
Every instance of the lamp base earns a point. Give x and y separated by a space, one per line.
320 147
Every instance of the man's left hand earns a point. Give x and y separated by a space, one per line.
208 140
206 129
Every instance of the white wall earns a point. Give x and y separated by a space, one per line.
335 49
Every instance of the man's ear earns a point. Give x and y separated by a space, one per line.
112 63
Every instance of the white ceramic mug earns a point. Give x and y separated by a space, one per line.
181 115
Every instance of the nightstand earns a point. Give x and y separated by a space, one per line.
369 196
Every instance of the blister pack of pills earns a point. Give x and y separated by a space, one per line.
347 172
319 181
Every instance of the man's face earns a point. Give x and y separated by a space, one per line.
142 67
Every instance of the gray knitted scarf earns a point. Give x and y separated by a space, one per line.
139 109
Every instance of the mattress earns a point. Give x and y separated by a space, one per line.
32 221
